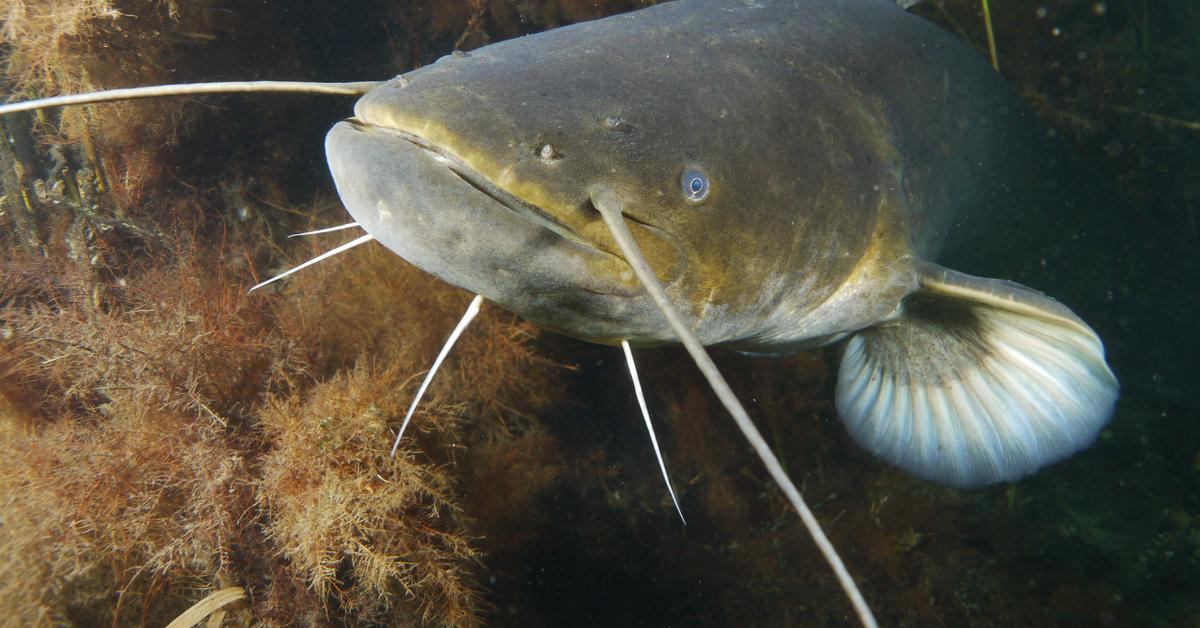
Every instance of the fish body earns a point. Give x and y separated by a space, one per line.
802 136
790 169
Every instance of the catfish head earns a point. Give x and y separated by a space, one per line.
753 186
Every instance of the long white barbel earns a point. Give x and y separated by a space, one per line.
349 225
467 317
326 255
641 399
357 88
610 207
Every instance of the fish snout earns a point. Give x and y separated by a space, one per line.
418 204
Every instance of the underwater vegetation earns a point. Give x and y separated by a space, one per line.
168 430
168 435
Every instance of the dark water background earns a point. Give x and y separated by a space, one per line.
1109 537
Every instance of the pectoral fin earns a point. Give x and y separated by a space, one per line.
979 381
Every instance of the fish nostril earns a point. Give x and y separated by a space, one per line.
548 154
618 124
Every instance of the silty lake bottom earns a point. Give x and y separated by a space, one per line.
168 435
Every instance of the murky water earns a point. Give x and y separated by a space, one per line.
171 436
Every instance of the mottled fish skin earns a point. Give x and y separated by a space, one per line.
835 135
790 169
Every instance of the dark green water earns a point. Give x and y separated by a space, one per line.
1109 537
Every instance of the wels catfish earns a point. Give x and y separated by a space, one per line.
791 170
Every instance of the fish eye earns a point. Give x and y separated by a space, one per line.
694 186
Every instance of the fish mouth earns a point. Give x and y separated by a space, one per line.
588 219
473 178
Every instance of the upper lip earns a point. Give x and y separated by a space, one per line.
527 210
479 182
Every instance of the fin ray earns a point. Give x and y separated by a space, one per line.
980 381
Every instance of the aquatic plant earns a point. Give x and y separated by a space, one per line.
128 484
60 46
170 438
365 530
